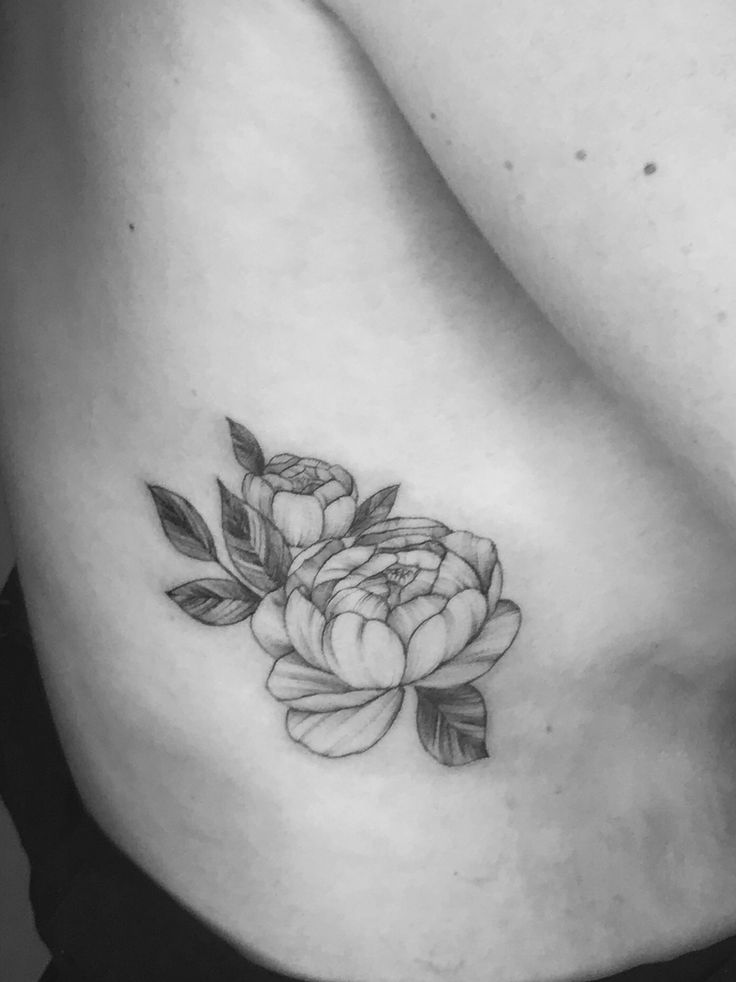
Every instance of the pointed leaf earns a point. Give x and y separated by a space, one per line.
271 546
258 550
374 509
184 527
452 724
246 448
215 602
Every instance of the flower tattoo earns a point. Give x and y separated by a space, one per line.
353 606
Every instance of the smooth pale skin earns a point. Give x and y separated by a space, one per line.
630 249
297 263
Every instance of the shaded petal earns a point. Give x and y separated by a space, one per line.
454 575
258 493
422 584
445 634
494 590
277 482
305 626
280 462
357 601
406 618
344 562
476 550
308 563
346 479
339 516
269 624
404 531
427 559
298 516
329 492
365 654
301 685
370 572
346 731
495 638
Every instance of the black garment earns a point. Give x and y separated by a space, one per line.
101 917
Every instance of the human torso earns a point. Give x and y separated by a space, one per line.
294 258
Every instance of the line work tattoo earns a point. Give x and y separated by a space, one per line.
354 607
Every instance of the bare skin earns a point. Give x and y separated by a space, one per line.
595 147
224 214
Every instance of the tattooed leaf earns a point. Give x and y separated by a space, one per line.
184 527
258 550
246 448
452 724
374 509
215 602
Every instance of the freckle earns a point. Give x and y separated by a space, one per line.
721 316
581 155
448 143
548 728
433 115
650 168
131 226
558 789
519 199
508 165
687 249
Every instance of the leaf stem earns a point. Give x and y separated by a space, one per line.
232 575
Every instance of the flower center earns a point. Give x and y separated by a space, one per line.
400 575
305 482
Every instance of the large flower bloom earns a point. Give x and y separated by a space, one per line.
305 498
406 602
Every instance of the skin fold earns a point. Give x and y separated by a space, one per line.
216 210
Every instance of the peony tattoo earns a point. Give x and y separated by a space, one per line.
353 606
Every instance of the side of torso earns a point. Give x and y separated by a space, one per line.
275 228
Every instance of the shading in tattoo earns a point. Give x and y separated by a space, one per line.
354 606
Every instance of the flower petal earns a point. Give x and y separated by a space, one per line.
277 482
330 491
300 685
269 624
369 572
346 479
407 617
305 626
445 634
298 516
338 516
258 493
496 637
346 731
454 575
402 532
365 654
308 563
280 462
494 590
422 585
357 601
343 562
476 550
426 559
